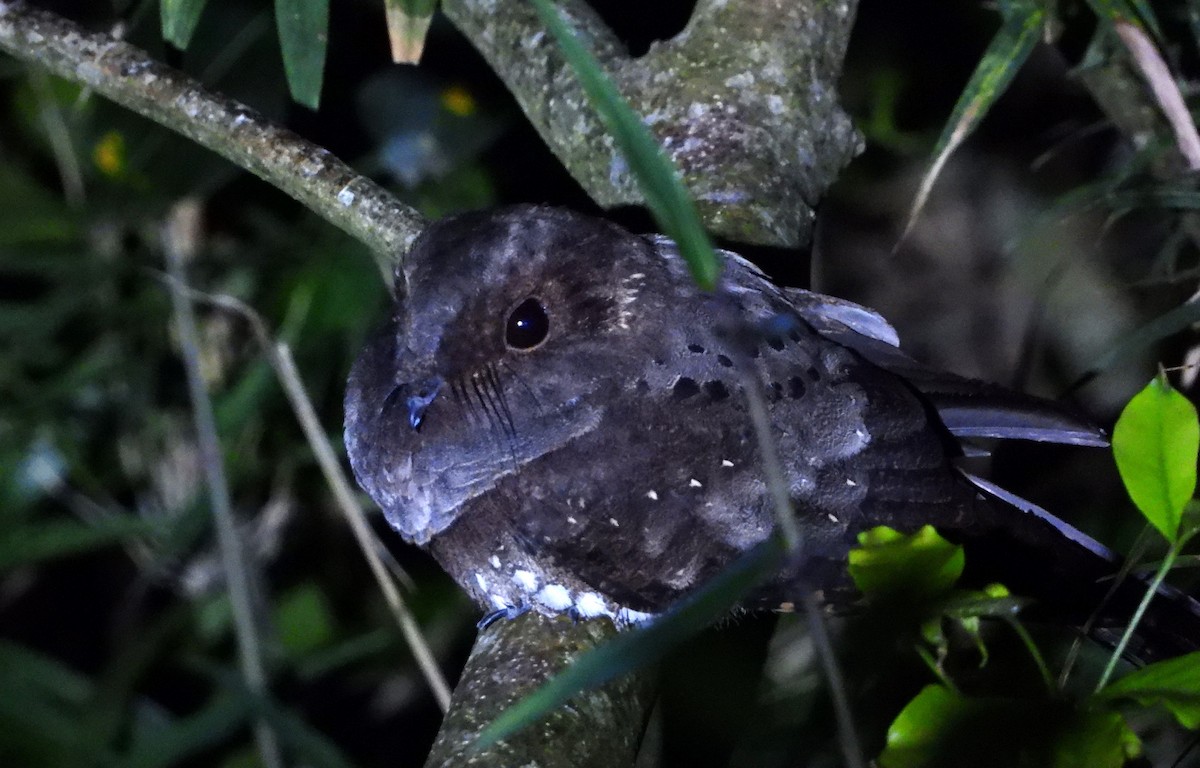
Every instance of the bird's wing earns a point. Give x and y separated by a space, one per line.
967 407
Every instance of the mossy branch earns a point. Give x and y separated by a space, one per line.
744 101
600 728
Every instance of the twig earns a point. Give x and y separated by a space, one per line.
847 739
1157 75
130 77
177 245
279 356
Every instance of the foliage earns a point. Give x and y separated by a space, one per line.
116 629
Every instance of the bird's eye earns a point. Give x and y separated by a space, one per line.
528 325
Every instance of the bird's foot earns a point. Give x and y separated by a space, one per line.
508 612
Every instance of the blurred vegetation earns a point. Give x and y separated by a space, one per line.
1050 238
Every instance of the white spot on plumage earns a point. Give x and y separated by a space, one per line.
613 522
499 601
495 561
726 463
554 596
590 604
572 520
851 483
525 579
652 495
694 483
481 581
832 517
630 616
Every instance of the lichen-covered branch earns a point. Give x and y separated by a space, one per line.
130 77
600 728
744 100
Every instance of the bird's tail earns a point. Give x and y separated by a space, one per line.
1073 577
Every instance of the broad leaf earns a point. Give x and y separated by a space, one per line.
922 565
1174 683
942 728
1155 442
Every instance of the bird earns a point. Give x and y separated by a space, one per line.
558 413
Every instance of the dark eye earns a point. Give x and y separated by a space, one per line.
527 326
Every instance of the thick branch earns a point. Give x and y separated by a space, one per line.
744 100
601 728
131 78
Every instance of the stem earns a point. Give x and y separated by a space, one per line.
1044 670
851 751
936 668
233 562
281 361
1135 555
1159 575
285 369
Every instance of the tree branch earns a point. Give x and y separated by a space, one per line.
600 728
130 77
744 101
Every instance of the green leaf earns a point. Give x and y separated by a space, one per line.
42 704
32 542
942 728
1155 443
179 19
919 566
408 24
1019 33
637 648
176 740
304 619
657 178
303 36
1174 683
966 608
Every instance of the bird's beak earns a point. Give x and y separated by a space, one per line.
416 397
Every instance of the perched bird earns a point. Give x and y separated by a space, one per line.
557 413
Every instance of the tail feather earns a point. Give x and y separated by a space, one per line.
1072 577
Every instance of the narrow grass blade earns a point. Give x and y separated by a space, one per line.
658 180
179 19
1161 327
32 542
408 23
1019 33
1132 11
303 36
